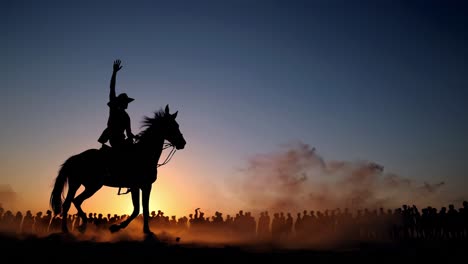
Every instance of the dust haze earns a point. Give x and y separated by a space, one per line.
8 197
299 178
294 180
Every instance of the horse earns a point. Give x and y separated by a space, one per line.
134 168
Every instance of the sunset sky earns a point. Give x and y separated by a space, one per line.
377 81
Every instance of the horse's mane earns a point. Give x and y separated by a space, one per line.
149 123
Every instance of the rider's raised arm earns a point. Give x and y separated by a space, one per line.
116 68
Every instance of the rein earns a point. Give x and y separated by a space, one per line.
168 158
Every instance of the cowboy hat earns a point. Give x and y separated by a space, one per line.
123 97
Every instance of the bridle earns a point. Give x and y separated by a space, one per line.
169 156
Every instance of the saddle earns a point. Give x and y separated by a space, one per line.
122 167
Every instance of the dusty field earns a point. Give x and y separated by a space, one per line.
59 248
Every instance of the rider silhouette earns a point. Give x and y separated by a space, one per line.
118 123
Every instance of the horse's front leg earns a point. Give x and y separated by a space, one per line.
146 190
136 210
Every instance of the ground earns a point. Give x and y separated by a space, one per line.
59 248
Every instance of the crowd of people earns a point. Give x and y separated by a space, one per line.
403 223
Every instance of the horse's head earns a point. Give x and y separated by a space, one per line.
171 129
163 126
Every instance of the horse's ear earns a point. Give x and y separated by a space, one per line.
175 114
167 109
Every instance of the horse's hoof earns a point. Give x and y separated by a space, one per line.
148 233
114 228
150 237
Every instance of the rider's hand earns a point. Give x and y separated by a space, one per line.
117 66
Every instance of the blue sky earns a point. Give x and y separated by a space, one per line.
359 80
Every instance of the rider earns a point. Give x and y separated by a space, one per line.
118 123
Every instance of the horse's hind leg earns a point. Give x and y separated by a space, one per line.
88 192
72 188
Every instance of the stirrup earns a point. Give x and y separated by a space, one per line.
119 193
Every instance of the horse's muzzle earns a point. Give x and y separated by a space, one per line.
180 145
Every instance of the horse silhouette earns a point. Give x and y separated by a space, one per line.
135 169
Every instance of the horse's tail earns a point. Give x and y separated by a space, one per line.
56 197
